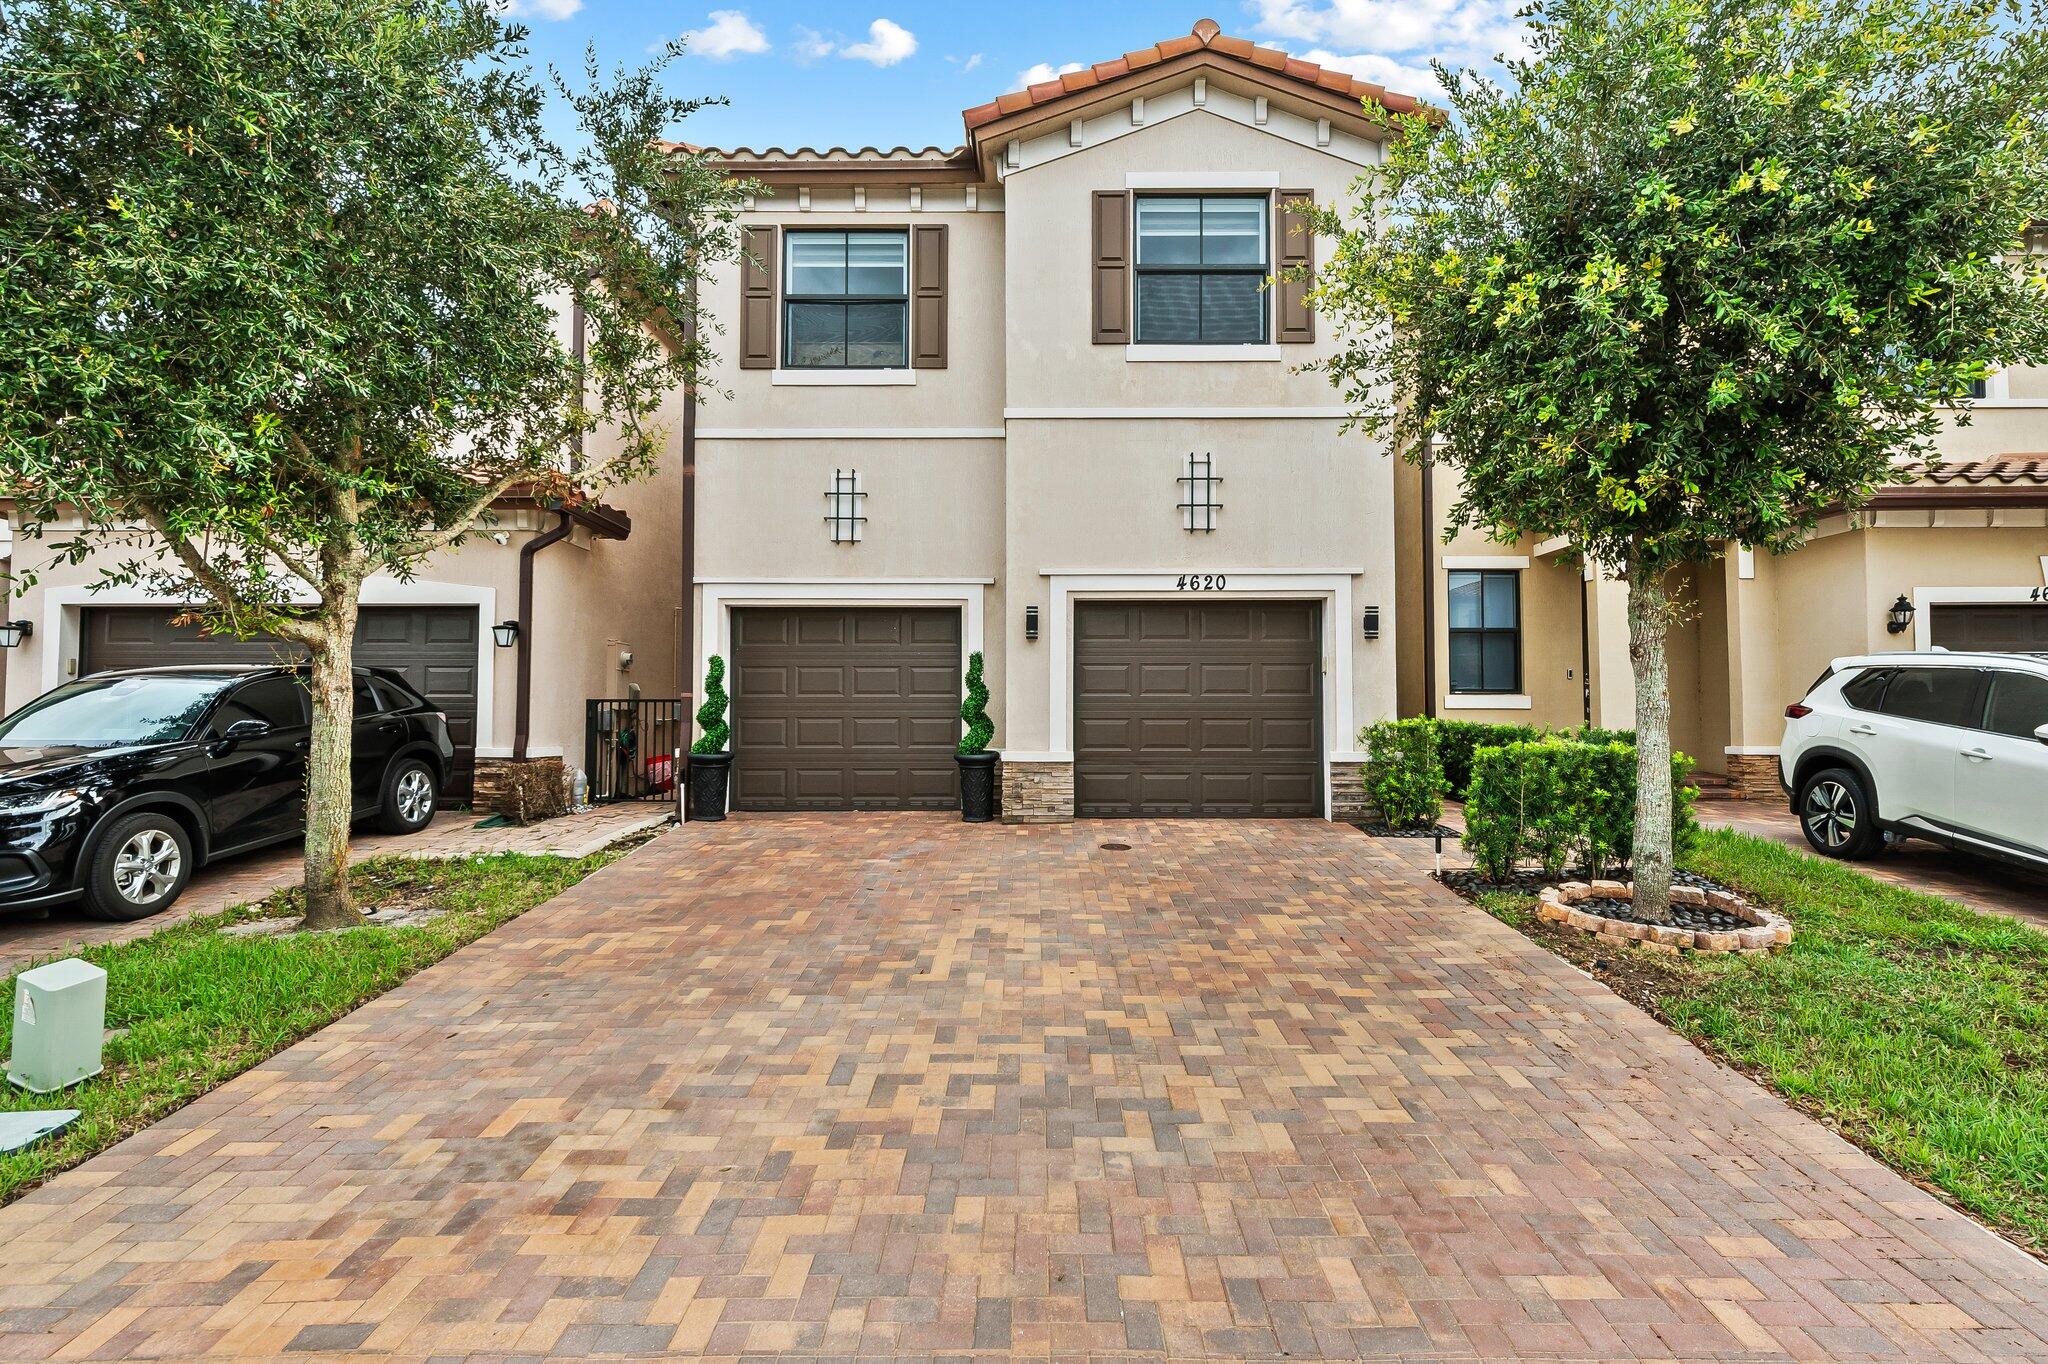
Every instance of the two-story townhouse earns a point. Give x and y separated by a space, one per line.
1034 397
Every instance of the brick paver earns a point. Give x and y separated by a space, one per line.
238 880
894 1086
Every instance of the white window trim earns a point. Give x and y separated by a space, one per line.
1252 352
63 609
1486 700
1201 180
841 378
1494 562
722 595
1332 589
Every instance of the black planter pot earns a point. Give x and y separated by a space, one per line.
977 786
709 774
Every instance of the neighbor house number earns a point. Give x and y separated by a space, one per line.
1201 582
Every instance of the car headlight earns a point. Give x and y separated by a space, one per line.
42 802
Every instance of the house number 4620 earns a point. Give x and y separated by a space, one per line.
1200 582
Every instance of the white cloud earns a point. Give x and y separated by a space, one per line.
1391 42
1040 72
888 43
967 64
537 9
729 34
812 45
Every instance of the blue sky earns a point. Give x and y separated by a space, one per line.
900 71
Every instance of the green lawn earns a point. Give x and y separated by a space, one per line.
1917 1027
201 1007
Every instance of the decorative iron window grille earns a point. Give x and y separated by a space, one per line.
843 502
1199 506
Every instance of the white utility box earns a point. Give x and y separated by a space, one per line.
60 1020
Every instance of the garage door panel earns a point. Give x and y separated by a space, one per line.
1197 708
871 710
434 648
2016 628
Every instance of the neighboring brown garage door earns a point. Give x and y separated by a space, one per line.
1197 708
433 647
2019 628
845 709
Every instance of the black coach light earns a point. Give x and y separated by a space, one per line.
506 632
1899 619
13 632
1372 622
1031 623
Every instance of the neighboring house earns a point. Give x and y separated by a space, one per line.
1957 558
1033 397
435 628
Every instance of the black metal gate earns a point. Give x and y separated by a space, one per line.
633 750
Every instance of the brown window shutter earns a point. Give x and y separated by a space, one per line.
757 298
928 296
1294 251
1112 273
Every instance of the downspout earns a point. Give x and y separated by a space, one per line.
522 706
1586 640
686 691
1429 576
522 700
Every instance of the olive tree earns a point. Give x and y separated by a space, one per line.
1695 272
282 290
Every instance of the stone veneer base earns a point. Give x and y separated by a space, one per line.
1348 801
1560 905
1037 793
1754 776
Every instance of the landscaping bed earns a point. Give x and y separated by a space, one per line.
1915 1027
193 1006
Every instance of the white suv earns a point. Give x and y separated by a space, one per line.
1951 747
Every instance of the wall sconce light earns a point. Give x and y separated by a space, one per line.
506 632
1031 623
1899 619
13 632
1372 622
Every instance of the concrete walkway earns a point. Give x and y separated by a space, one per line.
892 1086
239 880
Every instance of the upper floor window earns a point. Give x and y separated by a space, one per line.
1486 630
846 300
1202 264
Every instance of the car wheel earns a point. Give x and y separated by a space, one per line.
409 794
138 868
1837 814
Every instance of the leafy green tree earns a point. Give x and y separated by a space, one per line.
1702 270
711 714
282 294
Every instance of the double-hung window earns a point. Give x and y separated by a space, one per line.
1486 630
1201 269
846 300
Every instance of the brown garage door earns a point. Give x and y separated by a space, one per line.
845 709
433 647
2020 628
1197 708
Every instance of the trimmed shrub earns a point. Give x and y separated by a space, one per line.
1593 734
974 710
1559 802
1403 776
1457 739
711 715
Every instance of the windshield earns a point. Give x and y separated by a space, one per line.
112 710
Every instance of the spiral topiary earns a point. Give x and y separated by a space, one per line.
974 710
711 715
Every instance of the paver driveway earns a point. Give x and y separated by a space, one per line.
889 1085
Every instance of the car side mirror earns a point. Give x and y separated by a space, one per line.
2041 733
243 730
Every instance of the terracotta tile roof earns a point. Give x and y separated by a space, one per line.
2006 470
1206 34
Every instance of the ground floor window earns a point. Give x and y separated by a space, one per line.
1486 630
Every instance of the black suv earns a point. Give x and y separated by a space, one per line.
114 788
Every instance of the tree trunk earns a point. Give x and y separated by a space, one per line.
330 795
1649 618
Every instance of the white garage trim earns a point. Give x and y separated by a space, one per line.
1333 590
1925 597
64 607
722 595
